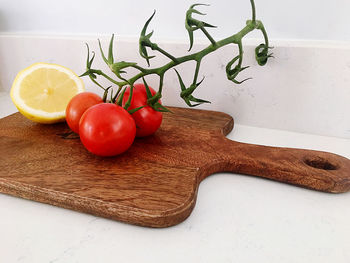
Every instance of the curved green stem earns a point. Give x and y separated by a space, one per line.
196 72
99 72
208 36
160 89
240 50
117 93
262 29
128 102
253 10
139 68
156 47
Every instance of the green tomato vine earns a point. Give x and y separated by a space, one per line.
233 68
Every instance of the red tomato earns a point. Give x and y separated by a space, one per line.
77 106
147 120
107 129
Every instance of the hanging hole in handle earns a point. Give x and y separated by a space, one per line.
320 163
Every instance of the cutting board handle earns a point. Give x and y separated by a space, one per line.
316 170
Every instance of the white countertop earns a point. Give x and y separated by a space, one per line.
237 218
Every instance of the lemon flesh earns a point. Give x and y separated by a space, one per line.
42 91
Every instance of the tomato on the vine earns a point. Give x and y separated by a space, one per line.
147 119
107 129
77 106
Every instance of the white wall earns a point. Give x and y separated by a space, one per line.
296 19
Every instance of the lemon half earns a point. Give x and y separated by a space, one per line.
42 91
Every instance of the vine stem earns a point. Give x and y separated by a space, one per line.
234 39
240 50
99 72
253 10
161 78
196 72
156 47
262 29
208 36
118 68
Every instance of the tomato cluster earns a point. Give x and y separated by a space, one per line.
107 129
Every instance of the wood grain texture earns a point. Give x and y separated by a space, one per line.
155 182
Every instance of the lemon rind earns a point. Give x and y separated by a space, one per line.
39 115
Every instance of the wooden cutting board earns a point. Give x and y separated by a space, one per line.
155 182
